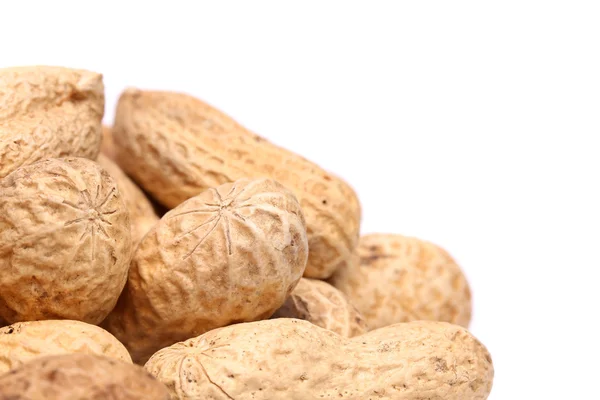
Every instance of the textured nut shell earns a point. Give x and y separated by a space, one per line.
80 377
294 359
141 212
24 341
108 144
230 254
175 146
323 305
48 112
399 279
65 242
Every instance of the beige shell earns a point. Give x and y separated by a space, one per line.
65 242
296 360
400 279
108 143
23 341
323 305
176 146
48 112
80 377
230 254
141 212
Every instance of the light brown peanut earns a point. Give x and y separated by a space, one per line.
175 146
23 341
48 112
397 278
296 360
65 242
231 254
320 303
80 377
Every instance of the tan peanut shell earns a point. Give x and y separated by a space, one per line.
80 377
231 254
398 279
23 341
141 212
48 112
176 146
320 303
108 144
296 360
65 242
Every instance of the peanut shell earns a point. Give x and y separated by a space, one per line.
296 360
320 303
23 341
80 377
231 254
65 242
399 279
48 112
176 146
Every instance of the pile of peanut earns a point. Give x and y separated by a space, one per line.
224 266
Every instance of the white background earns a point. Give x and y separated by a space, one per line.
471 124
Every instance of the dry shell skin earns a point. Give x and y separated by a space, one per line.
231 254
108 144
141 212
24 341
296 360
175 146
399 279
65 242
80 377
320 303
48 112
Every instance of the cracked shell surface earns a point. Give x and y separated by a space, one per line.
231 254
141 212
175 146
80 377
65 242
48 112
296 360
398 279
320 303
23 341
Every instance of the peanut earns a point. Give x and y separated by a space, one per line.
399 279
320 303
176 146
24 341
48 112
296 360
231 254
80 377
65 242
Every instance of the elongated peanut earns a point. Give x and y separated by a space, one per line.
296 360
48 112
176 146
